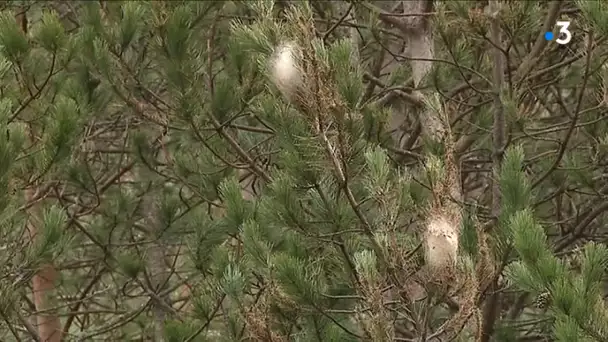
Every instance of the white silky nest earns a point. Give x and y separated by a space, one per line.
441 241
285 71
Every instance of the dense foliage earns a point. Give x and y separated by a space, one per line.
303 170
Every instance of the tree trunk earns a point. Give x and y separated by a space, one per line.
43 282
43 285
155 256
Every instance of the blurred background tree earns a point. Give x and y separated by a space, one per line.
303 170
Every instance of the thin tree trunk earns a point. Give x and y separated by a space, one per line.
441 235
43 284
445 216
492 306
156 266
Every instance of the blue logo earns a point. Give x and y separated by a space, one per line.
548 35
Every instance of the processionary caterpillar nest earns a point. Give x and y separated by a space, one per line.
286 73
441 239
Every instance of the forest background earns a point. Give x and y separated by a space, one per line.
303 171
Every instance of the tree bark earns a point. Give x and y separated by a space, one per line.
43 284
156 266
492 306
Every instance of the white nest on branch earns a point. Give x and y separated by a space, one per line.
285 70
441 242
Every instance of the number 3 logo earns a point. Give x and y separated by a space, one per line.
563 29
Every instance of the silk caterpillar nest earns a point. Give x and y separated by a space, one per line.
285 70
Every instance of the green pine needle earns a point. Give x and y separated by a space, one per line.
13 42
50 33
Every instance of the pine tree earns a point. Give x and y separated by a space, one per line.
312 171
